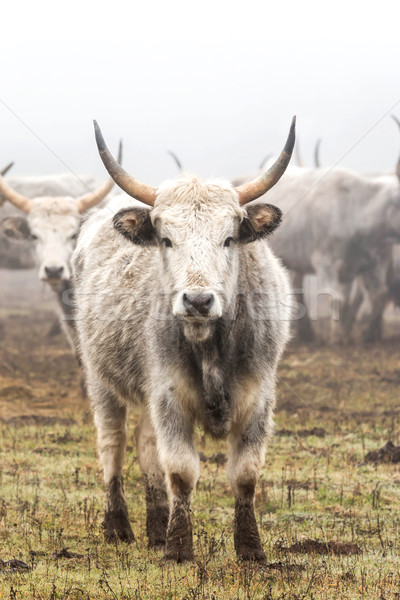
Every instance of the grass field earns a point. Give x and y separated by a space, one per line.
329 518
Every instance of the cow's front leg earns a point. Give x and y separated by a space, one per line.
111 422
245 459
157 506
181 465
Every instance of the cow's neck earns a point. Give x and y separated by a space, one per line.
215 364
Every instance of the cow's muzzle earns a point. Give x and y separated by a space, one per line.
54 272
197 305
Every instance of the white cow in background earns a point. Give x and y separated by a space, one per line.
17 253
50 223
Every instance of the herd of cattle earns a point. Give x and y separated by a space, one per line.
177 302
339 226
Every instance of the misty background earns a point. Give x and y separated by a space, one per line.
216 82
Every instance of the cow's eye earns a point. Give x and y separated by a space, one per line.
34 237
167 242
74 237
227 242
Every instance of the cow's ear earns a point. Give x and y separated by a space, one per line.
135 224
16 228
261 221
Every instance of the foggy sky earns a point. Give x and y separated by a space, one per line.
217 83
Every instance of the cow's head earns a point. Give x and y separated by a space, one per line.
198 228
52 224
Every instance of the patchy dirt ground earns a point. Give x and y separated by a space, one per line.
38 373
328 512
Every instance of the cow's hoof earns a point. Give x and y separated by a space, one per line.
178 552
178 557
117 527
156 525
251 555
156 543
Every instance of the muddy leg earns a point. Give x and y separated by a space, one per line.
179 545
246 456
246 536
374 331
181 465
377 284
157 504
111 422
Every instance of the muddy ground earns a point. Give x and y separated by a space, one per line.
38 373
327 504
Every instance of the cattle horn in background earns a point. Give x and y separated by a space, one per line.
7 193
259 186
396 120
92 198
176 160
2 174
317 163
6 169
141 191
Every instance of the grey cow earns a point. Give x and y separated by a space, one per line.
339 226
182 309
343 226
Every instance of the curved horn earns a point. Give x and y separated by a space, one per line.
141 191
259 186
176 159
317 163
92 198
20 201
396 120
6 169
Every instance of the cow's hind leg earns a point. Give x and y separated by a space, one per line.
246 456
111 421
157 504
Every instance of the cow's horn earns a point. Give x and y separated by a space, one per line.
6 169
176 160
14 197
259 186
398 162
92 198
141 191
317 163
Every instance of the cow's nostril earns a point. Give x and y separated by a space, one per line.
198 302
208 302
53 272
